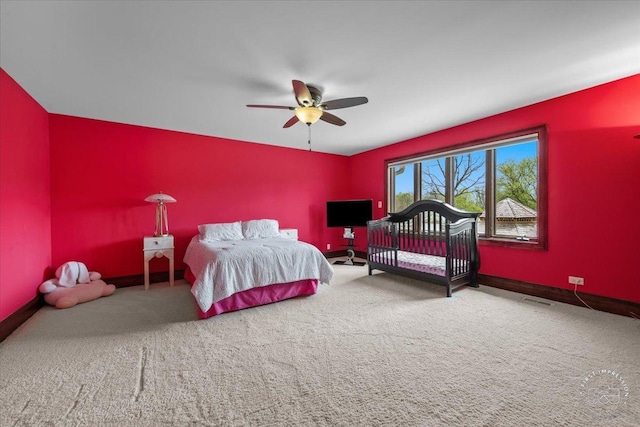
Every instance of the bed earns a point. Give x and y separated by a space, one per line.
429 240
232 266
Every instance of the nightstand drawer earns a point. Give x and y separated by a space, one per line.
161 242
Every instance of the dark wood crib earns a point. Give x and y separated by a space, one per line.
429 240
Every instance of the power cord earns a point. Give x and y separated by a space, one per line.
575 291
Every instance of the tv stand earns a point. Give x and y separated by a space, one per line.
351 253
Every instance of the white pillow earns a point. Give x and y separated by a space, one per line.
222 231
260 229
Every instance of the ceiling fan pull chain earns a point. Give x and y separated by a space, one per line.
309 126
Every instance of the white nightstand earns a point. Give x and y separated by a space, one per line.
289 233
157 247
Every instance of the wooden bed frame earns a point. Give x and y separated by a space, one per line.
429 240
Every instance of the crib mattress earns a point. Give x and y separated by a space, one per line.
412 261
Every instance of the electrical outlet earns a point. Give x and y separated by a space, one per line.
328 246
574 280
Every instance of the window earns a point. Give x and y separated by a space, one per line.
503 178
403 188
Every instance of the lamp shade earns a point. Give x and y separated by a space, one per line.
162 222
308 115
159 197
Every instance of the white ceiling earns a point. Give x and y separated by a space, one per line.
192 66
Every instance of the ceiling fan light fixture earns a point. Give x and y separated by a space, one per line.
308 115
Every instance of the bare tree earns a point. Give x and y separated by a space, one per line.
433 181
466 178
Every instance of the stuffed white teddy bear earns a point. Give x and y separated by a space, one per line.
74 284
68 275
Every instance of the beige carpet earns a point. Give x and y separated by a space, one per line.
380 350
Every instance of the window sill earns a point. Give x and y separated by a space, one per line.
535 245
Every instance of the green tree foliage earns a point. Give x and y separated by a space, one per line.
468 202
402 201
519 181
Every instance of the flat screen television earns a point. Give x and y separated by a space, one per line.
349 213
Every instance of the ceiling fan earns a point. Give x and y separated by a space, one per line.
311 108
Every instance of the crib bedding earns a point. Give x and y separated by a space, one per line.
222 269
413 261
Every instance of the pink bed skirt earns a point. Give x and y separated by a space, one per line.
257 296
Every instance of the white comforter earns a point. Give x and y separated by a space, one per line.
224 268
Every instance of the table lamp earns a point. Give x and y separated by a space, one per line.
162 223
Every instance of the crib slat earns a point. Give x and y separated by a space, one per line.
428 227
441 237
429 233
421 233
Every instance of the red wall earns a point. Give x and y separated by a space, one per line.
593 179
25 222
102 171
73 189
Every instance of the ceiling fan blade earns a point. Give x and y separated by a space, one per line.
344 103
292 121
280 107
303 96
330 118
